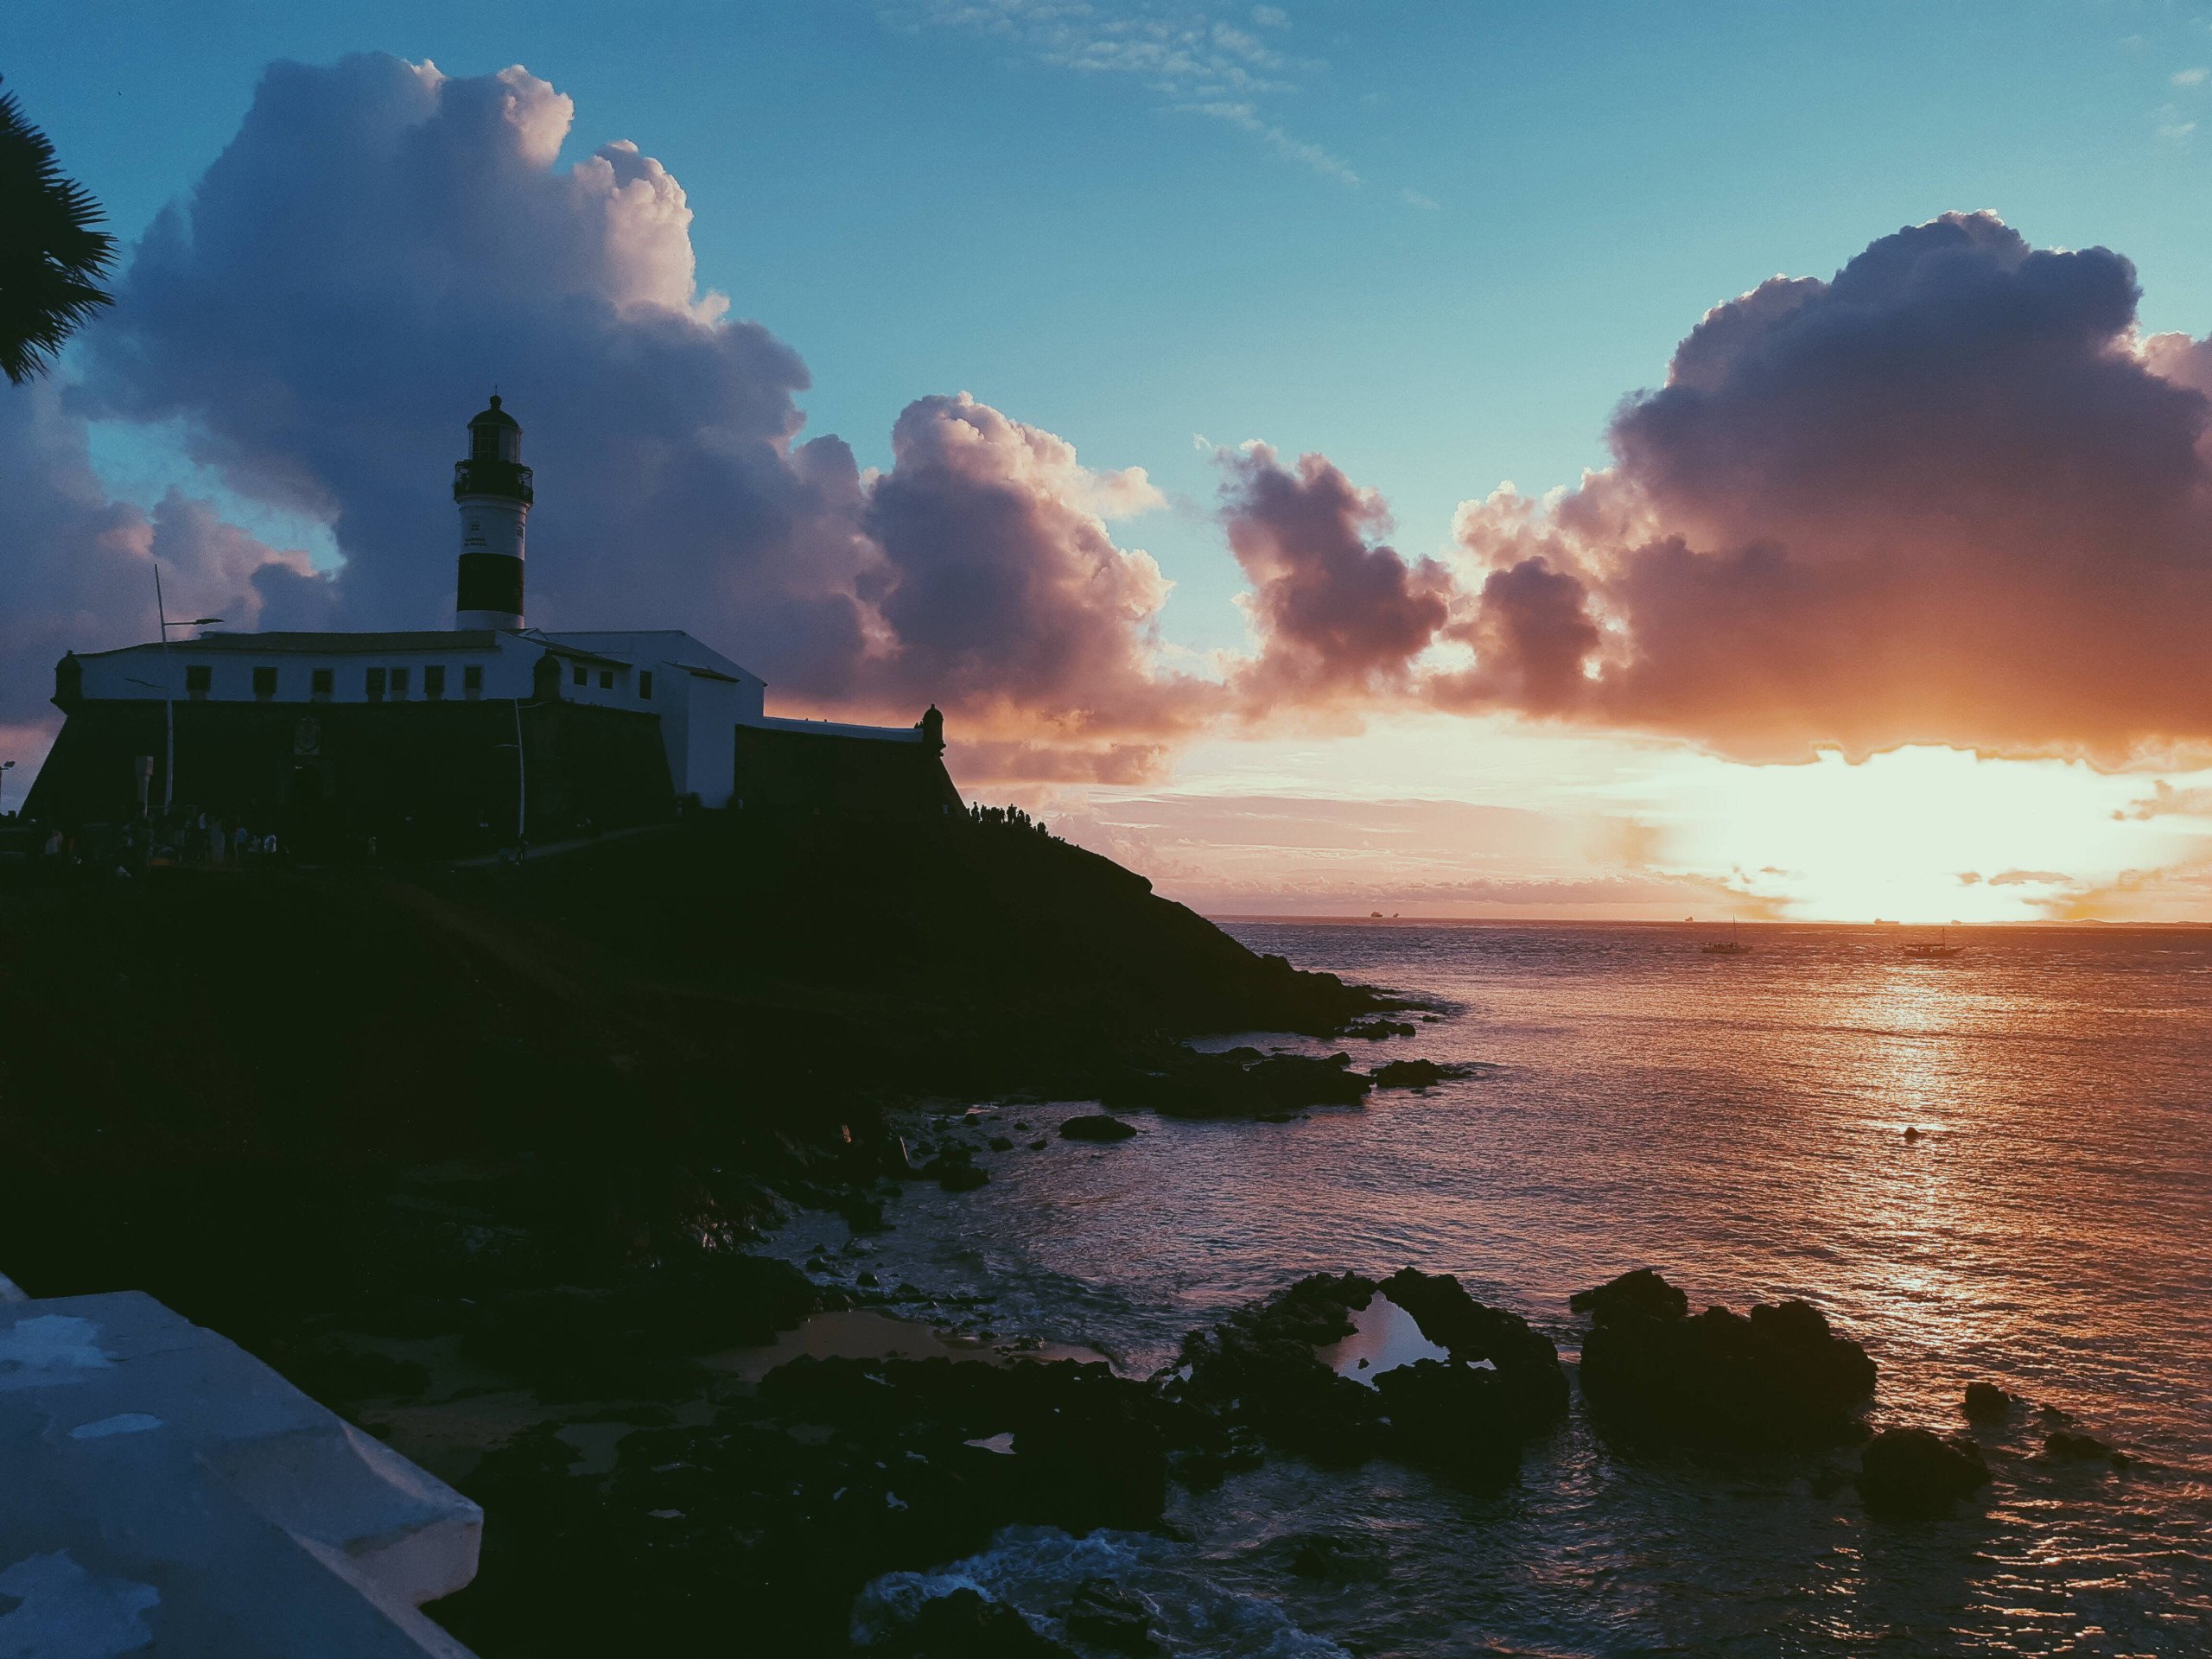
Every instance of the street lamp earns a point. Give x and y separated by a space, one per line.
169 689
522 780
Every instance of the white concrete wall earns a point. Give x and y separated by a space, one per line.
710 754
137 672
699 695
510 667
838 729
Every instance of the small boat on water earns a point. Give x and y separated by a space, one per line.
1730 946
1939 948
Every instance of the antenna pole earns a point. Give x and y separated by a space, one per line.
168 701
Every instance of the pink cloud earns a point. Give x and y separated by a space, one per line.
1339 615
1942 498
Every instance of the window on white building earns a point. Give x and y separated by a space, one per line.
376 685
399 682
264 683
582 674
607 679
319 685
433 680
199 680
472 679
645 683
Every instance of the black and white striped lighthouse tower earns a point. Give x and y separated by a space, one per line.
493 489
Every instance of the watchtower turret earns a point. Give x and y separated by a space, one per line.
493 489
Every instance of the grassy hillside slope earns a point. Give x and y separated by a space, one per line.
222 1088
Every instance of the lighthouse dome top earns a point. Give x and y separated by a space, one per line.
495 415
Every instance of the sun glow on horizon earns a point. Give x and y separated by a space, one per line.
1924 834
1513 820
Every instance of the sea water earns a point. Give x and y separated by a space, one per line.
1738 1122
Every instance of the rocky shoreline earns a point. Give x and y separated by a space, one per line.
769 1506
492 1177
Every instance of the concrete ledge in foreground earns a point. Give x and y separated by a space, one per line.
163 1491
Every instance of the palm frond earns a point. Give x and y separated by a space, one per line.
54 255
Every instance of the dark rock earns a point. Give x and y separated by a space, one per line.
1450 1418
744 1523
1037 1145
967 1625
1526 1386
1105 1615
1376 1031
1826 1480
1337 1555
1242 1082
1777 1377
2064 1445
1467 1418
1915 1471
1090 1448
1416 1074
1986 1402
864 1215
1218 1456
1259 1369
868 1281
957 1175
1640 1294
1095 1126
1000 1143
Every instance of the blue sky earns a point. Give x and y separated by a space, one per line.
919 203
1439 243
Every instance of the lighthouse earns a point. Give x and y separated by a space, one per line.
493 489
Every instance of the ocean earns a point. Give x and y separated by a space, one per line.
1738 1122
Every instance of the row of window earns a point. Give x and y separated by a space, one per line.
200 681
579 674
393 682
383 683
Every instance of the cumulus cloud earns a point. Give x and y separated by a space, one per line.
79 572
1946 496
378 247
381 245
1339 615
1002 589
1532 634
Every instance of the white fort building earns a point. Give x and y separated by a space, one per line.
373 727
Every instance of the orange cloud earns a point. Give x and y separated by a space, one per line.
1944 497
